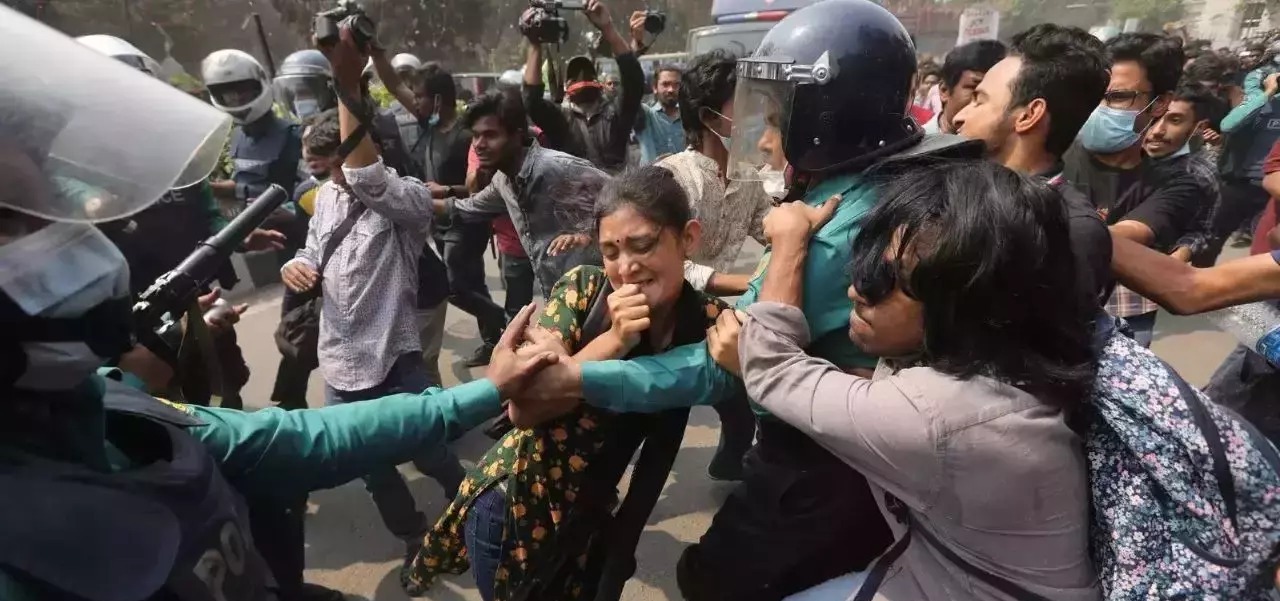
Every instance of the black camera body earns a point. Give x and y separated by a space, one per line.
347 15
655 21
542 24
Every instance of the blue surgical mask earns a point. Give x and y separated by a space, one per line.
1184 151
434 120
1110 130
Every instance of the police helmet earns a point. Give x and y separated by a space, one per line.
405 62
304 83
827 90
237 84
122 51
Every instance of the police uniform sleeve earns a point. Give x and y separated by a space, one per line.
685 376
287 453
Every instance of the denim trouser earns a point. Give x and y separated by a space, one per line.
431 335
464 259
517 278
1143 327
483 536
390 493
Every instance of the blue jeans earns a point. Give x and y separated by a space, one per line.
389 491
483 536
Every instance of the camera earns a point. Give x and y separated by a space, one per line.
347 15
655 21
542 23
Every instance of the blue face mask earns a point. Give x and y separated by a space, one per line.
434 120
1110 130
1184 151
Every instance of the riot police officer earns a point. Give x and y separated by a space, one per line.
265 149
159 237
304 84
819 104
108 492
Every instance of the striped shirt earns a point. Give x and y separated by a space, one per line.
370 286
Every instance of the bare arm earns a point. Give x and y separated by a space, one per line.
390 79
1186 290
1271 183
1135 231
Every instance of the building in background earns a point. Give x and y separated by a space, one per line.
1230 22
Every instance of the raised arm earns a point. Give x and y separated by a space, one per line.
542 113
390 79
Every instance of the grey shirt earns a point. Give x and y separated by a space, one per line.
554 193
992 472
370 286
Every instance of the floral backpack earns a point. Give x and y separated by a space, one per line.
1186 494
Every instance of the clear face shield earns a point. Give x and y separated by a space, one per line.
304 95
86 138
760 109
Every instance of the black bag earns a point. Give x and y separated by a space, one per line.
298 335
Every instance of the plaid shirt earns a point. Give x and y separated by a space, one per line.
1127 303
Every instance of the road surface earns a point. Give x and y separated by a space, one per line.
348 548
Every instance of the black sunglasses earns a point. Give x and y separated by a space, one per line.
878 282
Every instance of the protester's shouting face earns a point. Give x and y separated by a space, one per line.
494 145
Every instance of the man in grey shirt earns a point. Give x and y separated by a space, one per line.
549 195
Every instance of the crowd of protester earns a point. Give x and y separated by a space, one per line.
916 386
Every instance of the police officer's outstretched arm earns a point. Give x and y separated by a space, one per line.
286 453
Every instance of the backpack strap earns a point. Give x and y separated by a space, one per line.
340 233
882 565
1213 437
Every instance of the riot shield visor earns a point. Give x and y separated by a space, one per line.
761 109
304 95
87 138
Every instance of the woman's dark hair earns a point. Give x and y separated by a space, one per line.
506 106
708 83
652 191
987 252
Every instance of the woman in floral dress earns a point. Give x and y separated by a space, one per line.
526 517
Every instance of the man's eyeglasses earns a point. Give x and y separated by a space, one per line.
1123 99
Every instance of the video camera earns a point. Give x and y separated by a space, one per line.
543 23
347 15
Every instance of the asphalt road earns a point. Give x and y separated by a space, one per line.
348 548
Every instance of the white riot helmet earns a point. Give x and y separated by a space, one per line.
304 83
237 84
405 62
122 51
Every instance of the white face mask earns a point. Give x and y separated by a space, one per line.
774 181
61 271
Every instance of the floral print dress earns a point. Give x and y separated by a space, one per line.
544 469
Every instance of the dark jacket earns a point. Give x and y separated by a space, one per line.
600 137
